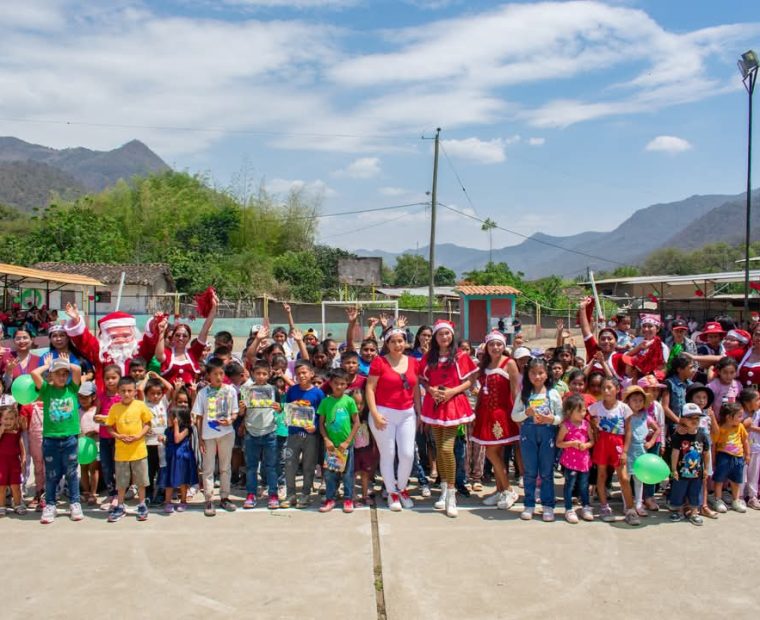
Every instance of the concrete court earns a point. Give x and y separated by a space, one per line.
300 564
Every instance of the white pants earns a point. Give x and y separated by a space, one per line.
753 473
222 447
398 433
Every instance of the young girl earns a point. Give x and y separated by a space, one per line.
155 389
366 456
107 399
493 426
88 427
12 455
703 397
731 452
576 440
752 424
674 397
724 386
641 433
181 466
576 383
656 414
539 408
608 417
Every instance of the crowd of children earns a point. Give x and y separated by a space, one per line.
197 419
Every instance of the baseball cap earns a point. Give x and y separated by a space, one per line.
312 332
6 400
60 364
678 324
87 389
691 410
520 352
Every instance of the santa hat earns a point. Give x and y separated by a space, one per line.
443 324
651 319
739 335
117 319
495 335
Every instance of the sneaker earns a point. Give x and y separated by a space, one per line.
273 503
142 512
570 516
282 493
507 500
227 505
181 507
168 508
463 490
440 503
587 513
548 515
406 501
76 513
327 505
48 513
109 504
676 516
425 491
632 518
250 502
20 510
738 505
131 492
606 514
40 504
695 519
718 505
451 505
288 502
3 511
303 501
209 510
394 502
754 503
527 513
117 513
493 500
348 506
641 511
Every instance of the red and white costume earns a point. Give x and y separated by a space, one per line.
493 411
188 369
749 372
448 374
102 351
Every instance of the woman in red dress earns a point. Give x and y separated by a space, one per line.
749 367
446 375
494 427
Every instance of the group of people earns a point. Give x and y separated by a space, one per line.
174 416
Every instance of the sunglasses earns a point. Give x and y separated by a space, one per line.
404 380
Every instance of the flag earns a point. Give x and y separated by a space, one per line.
203 301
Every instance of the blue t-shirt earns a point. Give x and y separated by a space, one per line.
363 367
313 396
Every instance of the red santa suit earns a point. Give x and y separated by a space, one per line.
188 369
102 352
448 374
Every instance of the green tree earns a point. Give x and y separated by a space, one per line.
411 270
444 276
301 271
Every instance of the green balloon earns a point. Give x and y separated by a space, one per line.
24 390
650 469
88 450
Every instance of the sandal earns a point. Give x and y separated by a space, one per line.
708 512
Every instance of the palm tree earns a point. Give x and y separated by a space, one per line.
489 225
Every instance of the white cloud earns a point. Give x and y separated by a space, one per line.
294 4
668 144
362 168
474 149
285 186
393 191
536 141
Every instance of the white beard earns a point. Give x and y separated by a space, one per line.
111 353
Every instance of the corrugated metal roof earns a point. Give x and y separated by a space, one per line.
438 291
27 273
467 289
724 276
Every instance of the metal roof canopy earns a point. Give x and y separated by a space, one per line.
13 274
724 276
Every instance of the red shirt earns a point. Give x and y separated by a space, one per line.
391 391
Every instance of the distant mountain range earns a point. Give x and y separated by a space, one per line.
687 224
30 173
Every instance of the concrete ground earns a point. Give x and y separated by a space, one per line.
302 564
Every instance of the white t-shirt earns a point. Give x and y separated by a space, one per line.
159 422
611 420
215 404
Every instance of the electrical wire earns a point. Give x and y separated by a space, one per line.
394 219
318 216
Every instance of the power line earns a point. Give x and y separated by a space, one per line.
348 232
459 180
317 216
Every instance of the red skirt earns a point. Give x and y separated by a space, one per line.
494 427
451 413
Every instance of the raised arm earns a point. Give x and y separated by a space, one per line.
352 313
289 314
298 337
583 319
206 328
40 370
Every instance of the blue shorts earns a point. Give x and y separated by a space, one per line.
686 488
728 467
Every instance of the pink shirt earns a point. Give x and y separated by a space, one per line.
573 458
106 402
721 390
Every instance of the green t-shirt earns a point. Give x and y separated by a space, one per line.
60 417
338 413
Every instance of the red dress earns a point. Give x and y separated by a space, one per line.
457 410
749 372
189 369
493 412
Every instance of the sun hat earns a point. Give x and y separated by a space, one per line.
711 327
698 387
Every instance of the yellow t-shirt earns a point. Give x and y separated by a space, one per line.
731 440
129 420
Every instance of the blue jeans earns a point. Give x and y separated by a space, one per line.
460 455
333 478
264 449
281 443
572 478
537 447
108 464
649 489
60 454
686 489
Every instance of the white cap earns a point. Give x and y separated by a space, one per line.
520 352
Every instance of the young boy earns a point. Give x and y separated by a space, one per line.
129 422
689 459
303 441
60 431
138 368
260 402
349 361
236 375
215 410
338 423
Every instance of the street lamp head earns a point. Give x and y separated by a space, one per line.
748 63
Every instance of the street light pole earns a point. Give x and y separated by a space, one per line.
433 204
748 64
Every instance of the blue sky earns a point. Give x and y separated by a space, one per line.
558 117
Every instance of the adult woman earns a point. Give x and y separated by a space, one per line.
651 354
20 361
749 367
394 404
606 344
446 374
61 344
183 359
421 342
493 427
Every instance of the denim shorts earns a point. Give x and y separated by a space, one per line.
686 488
728 467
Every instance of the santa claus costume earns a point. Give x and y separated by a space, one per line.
493 411
118 341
